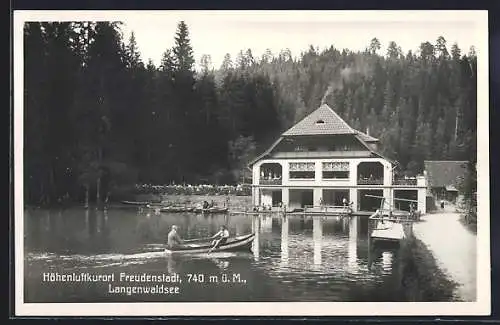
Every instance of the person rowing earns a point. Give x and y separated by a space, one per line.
173 238
220 238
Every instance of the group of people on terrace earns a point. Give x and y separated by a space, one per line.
270 175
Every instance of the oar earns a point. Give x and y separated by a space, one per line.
212 248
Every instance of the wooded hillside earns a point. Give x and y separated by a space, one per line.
98 117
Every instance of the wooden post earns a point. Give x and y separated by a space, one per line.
86 195
98 192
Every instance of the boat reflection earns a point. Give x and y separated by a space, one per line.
222 264
387 258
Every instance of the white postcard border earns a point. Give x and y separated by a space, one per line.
480 307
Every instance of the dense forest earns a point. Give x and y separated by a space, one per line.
98 118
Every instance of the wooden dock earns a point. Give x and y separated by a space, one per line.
390 225
388 231
306 211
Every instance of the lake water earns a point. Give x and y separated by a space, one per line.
294 258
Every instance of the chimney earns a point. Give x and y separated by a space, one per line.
367 130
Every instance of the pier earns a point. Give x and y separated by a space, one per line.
389 225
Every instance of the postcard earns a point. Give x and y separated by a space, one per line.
230 163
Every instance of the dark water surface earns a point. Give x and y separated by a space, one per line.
294 258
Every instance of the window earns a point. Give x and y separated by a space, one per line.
320 122
335 170
302 170
335 175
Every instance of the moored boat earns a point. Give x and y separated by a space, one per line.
176 209
136 203
211 210
197 246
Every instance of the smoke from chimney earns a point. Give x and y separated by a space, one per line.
360 66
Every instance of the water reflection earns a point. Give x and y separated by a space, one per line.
222 264
352 250
317 238
87 221
171 264
387 261
284 240
266 224
256 242
294 257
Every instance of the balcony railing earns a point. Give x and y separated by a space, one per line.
405 181
272 181
368 181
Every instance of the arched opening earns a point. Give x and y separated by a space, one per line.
370 173
271 174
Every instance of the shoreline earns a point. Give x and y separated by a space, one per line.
456 256
424 279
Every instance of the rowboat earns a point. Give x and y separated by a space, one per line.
135 202
176 209
197 246
210 210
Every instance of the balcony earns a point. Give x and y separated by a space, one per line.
272 181
411 181
370 181
270 174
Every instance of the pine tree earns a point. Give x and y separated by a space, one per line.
183 52
133 56
374 45
226 63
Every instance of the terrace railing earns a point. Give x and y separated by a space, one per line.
334 209
272 181
405 181
368 181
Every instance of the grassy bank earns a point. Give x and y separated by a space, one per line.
471 226
423 280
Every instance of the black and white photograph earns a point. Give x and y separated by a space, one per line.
251 163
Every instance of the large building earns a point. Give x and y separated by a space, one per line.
321 160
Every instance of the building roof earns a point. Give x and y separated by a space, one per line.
444 173
265 153
366 137
322 121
